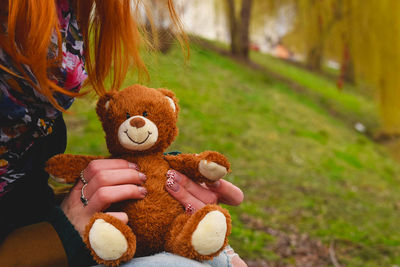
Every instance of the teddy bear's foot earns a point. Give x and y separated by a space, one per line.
200 236
210 233
110 240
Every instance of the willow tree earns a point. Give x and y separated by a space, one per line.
375 46
364 36
160 26
367 40
314 21
338 43
243 16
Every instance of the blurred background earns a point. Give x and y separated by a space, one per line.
303 97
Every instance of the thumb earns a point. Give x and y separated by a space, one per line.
122 216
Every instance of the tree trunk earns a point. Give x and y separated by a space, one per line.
233 26
245 15
314 58
349 75
314 55
346 68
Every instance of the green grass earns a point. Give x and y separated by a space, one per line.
351 103
302 170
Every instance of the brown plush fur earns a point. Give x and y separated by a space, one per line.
188 164
68 167
183 228
158 221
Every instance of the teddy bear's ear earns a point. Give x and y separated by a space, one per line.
103 103
170 96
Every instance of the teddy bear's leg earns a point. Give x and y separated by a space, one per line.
109 240
200 236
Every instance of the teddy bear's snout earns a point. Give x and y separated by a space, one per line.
137 122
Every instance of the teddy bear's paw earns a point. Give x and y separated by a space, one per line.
58 179
107 241
210 234
110 240
211 170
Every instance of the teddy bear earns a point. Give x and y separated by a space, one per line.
140 123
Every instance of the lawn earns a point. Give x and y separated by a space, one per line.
350 103
315 189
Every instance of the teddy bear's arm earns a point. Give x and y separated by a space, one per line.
66 168
208 166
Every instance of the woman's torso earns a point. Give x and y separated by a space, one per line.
32 129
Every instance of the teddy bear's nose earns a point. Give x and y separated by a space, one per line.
137 122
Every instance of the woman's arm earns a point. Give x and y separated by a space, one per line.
58 242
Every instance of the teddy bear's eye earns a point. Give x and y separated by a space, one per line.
128 115
144 113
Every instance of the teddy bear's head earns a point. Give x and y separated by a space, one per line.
138 119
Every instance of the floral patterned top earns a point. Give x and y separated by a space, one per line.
27 116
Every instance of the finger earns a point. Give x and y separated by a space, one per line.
113 177
76 189
106 164
203 194
238 262
235 259
107 195
227 192
182 195
122 216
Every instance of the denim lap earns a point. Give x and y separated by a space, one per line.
165 259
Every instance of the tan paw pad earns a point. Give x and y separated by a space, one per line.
212 170
107 241
210 233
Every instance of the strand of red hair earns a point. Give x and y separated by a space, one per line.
112 37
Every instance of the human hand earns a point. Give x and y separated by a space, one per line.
108 181
195 196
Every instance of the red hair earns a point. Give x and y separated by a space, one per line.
111 33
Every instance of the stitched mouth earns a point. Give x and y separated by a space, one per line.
138 143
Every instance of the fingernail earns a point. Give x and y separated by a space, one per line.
214 185
142 190
133 166
172 174
190 209
172 184
142 176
